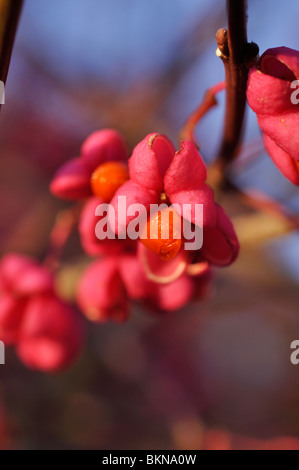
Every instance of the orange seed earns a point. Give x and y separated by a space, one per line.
108 178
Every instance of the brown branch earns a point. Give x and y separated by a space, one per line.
10 11
235 53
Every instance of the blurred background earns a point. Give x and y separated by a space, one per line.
217 374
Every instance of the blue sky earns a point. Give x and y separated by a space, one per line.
123 41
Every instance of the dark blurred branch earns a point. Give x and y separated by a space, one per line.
235 53
9 16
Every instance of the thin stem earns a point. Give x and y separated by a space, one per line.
232 48
10 11
251 152
268 221
209 101
65 223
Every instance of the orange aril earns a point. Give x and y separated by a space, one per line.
162 234
108 178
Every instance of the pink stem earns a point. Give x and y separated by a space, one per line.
209 101
63 227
